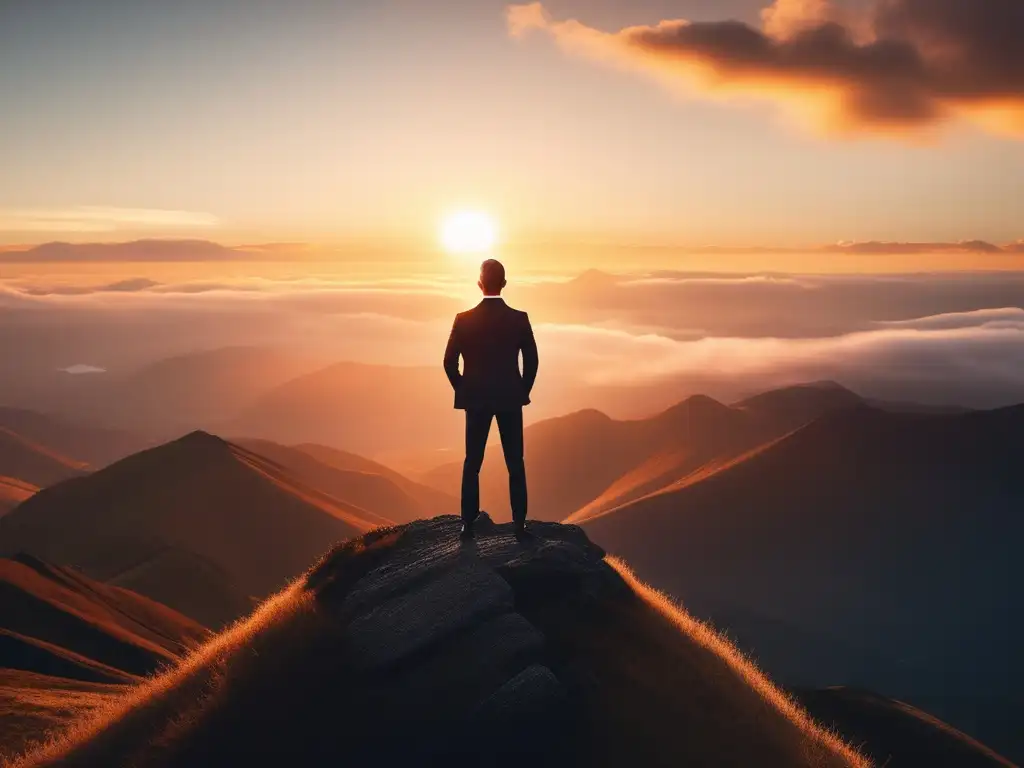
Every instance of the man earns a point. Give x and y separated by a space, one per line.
489 338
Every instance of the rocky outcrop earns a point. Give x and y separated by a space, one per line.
433 618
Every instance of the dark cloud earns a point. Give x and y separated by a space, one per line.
900 64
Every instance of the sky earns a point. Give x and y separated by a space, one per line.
575 121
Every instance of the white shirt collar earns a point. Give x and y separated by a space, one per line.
492 297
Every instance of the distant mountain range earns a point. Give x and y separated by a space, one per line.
369 409
76 444
136 251
196 499
34 463
586 463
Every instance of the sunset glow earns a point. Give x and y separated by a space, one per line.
416 305
469 232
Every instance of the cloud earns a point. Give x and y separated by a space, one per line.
82 369
968 360
896 66
952 338
1006 318
92 218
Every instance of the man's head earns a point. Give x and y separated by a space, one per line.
492 277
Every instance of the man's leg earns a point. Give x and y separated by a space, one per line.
510 425
478 426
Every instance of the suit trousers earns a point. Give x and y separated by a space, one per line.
478 427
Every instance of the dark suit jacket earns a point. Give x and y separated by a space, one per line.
489 338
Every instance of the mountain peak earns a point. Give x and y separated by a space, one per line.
201 438
197 496
701 403
794 406
544 642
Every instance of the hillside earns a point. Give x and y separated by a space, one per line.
69 644
894 532
494 653
366 409
360 482
78 443
586 463
197 498
13 492
34 463
57 622
896 734
430 498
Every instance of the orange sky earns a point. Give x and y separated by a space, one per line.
741 124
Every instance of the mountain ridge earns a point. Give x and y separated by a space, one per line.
198 494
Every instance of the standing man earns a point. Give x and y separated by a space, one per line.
489 338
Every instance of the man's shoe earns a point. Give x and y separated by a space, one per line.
467 532
522 531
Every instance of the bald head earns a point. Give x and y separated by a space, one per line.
492 277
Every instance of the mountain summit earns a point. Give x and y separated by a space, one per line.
409 647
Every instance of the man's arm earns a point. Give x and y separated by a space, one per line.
528 346
451 356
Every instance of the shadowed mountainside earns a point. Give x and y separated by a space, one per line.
357 481
897 533
154 516
94 446
492 652
33 463
13 492
585 463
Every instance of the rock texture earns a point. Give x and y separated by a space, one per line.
432 620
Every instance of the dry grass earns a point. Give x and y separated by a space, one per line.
273 666
135 723
32 704
759 707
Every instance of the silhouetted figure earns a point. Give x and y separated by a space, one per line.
489 338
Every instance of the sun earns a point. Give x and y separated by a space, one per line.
468 232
